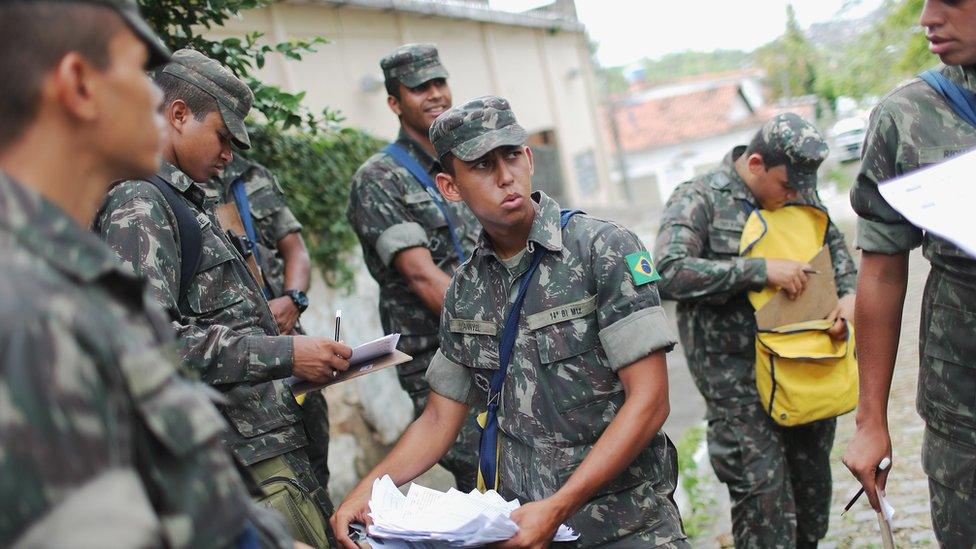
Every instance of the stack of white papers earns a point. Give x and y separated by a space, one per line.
431 518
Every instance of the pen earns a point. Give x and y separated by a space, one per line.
885 463
811 271
338 318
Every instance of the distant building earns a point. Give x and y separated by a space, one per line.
671 132
539 60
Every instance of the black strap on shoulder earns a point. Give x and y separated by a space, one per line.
191 237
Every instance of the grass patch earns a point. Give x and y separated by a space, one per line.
695 483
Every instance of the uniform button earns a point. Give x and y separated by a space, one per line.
783 415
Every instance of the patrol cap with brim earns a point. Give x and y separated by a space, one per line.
477 127
233 97
802 143
128 10
413 65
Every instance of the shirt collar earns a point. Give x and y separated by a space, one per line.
546 228
425 159
964 76
47 231
185 185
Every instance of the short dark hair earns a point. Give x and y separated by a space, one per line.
392 87
174 88
36 36
772 156
447 164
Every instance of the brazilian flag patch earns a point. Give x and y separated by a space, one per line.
642 268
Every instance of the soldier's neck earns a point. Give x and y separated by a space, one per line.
421 138
510 240
50 162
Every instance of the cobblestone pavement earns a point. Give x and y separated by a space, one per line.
907 485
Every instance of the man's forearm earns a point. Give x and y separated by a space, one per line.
298 266
882 283
638 421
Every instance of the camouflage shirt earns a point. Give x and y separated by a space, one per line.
272 218
583 319
390 212
913 127
226 331
96 426
697 254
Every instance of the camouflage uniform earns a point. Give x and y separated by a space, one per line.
583 319
390 212
102 443
911 128
227 334
778 478
273 221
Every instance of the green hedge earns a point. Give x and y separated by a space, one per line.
315 172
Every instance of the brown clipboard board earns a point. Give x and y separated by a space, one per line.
819 297
359 370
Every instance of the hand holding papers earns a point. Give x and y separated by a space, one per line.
368 357
939 199
443 519
816 301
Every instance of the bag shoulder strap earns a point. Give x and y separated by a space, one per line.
408 162
191 237
961 100
489 439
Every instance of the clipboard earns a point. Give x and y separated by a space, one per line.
302 387
819 297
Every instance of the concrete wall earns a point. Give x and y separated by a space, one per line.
546 75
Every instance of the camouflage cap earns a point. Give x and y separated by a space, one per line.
128 10
803 145
233 97
413 64
477 127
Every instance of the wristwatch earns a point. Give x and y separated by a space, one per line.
299 298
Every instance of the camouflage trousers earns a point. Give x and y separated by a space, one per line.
462 459
778 477
952 487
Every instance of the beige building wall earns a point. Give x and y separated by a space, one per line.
545 74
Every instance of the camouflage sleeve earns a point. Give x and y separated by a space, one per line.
446 374
632 322
845 269
678 249
880 228
60 432
274 220
136 224
381 219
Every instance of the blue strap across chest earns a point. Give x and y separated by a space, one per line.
244 210
405 160
962 101
489 435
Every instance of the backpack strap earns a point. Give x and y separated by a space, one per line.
409 163
488 445
243 204
191 237
962 101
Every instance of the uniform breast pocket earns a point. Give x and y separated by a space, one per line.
576 370
724 236
217 283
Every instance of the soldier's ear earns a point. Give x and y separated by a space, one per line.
447 185
756 163
177 114
394 105
528 154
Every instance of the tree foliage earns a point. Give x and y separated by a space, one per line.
310 153
790 61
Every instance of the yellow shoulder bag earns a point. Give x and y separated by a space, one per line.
802 374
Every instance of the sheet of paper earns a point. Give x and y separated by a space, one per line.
301 387
939 199
376 348
431 518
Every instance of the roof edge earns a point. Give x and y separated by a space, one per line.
458 9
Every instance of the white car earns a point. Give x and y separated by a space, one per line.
848 137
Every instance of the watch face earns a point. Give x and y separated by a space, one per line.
300 299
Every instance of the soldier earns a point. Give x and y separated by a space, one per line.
102 443
913 127
278 247
164 228
778 477
585 392
412 239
